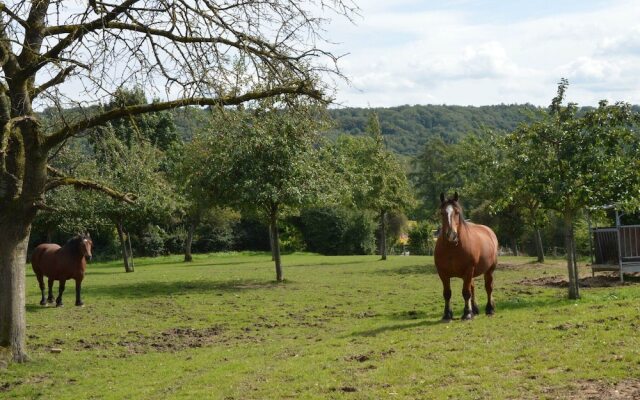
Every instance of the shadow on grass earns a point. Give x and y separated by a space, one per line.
153 289
195 263
36 307
409 270
398 327
255 262
531 302
324 263
105 271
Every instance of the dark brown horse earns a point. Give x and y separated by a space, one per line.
60 264
464 250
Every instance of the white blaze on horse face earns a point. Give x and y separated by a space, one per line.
87 247
449 211
451 233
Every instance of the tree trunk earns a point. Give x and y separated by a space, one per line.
187 244
13 252
131 264
383 235
271 246
514 247
571 265
23 174
123 245
539 248
576 273
276 245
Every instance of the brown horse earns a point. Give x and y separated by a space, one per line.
464 250
60 264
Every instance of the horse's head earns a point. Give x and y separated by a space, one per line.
86 245
451 213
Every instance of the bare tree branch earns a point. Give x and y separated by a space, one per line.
71 130
56 80
62 180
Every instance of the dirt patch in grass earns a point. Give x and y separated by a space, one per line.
598 281
345 389
596 390
170 340
5 387
519 267
174 339
368 356
358 357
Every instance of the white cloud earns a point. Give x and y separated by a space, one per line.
460 55
588 69
626 44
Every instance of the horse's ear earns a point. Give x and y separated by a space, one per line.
441 197
455 196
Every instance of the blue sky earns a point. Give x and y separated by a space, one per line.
488 52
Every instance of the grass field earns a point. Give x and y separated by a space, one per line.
339 327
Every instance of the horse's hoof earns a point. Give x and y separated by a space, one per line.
50 301
59 305
80 304
446 320
43 303
467 317
490 313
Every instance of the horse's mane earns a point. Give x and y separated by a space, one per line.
463 221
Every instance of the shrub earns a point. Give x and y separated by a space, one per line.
251 234
421 239
152 241
335 230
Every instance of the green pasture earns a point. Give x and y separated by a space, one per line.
339 327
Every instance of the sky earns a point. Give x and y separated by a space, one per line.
484 52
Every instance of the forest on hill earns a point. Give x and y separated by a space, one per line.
408 128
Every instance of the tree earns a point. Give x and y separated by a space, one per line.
155 128
131 151
202 53
267 161
377 179
137 169
436 171
569 162
202 194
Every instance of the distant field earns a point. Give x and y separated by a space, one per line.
339 327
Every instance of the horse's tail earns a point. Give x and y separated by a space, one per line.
35 260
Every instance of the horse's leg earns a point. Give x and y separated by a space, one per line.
60 291
446 293
78 300
474 305
488 285
43 302
466 294
50 284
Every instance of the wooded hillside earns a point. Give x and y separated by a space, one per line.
407 128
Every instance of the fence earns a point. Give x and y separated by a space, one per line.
616 249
